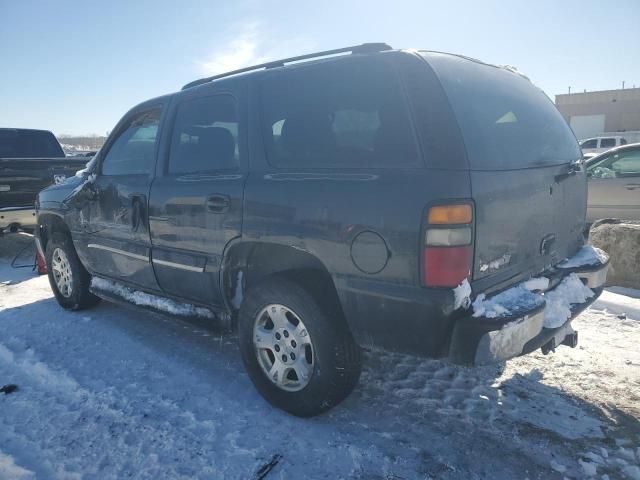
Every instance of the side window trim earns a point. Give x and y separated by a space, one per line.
121 127
171 123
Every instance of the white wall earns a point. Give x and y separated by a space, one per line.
585 126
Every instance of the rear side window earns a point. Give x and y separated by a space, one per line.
205 136
29 144
133 151
607 143
339 115
506 122
593 143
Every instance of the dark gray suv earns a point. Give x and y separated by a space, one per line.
361 197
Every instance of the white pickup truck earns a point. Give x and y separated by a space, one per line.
602 144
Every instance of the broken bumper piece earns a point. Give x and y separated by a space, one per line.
531 324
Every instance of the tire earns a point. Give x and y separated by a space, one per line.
76 295
333 366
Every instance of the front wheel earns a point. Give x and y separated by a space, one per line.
68 278
299 358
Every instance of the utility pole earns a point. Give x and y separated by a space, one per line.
623 84
569 89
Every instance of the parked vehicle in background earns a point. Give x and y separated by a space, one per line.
614 184
363 199
30 160
87 153
588 156
601 144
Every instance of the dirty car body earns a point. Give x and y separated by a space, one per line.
378 180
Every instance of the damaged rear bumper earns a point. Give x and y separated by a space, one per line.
482 340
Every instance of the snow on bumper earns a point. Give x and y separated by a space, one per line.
534 314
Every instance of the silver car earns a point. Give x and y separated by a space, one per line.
614 184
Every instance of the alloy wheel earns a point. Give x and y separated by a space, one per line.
283 347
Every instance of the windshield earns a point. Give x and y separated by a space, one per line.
506 122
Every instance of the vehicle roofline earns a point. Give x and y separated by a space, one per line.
19 129
628 146
364 48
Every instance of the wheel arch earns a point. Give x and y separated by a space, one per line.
260 260
48 224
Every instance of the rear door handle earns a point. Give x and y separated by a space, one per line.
218 203
632 186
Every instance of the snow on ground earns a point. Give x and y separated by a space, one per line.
113 392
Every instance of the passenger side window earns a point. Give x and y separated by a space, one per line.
341 115
133 152
625 164
205 136
607 143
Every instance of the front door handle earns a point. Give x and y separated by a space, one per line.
218 203
632 186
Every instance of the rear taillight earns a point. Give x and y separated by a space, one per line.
448 249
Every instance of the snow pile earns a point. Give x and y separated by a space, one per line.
522 298
148 300
462 295
588 255
559 300
506 303
536 284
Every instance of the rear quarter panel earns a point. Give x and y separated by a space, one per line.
323 212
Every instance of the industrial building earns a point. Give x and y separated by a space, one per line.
592 114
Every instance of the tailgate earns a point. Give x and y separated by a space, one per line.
526 221
22 178
529 193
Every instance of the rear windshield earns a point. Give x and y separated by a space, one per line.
506 122
28 144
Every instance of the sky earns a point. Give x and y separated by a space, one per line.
75 67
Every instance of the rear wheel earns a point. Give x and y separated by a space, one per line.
299 358
68 278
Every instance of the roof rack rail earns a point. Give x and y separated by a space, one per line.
363 48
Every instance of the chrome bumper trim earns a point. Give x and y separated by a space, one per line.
509 341
594 279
